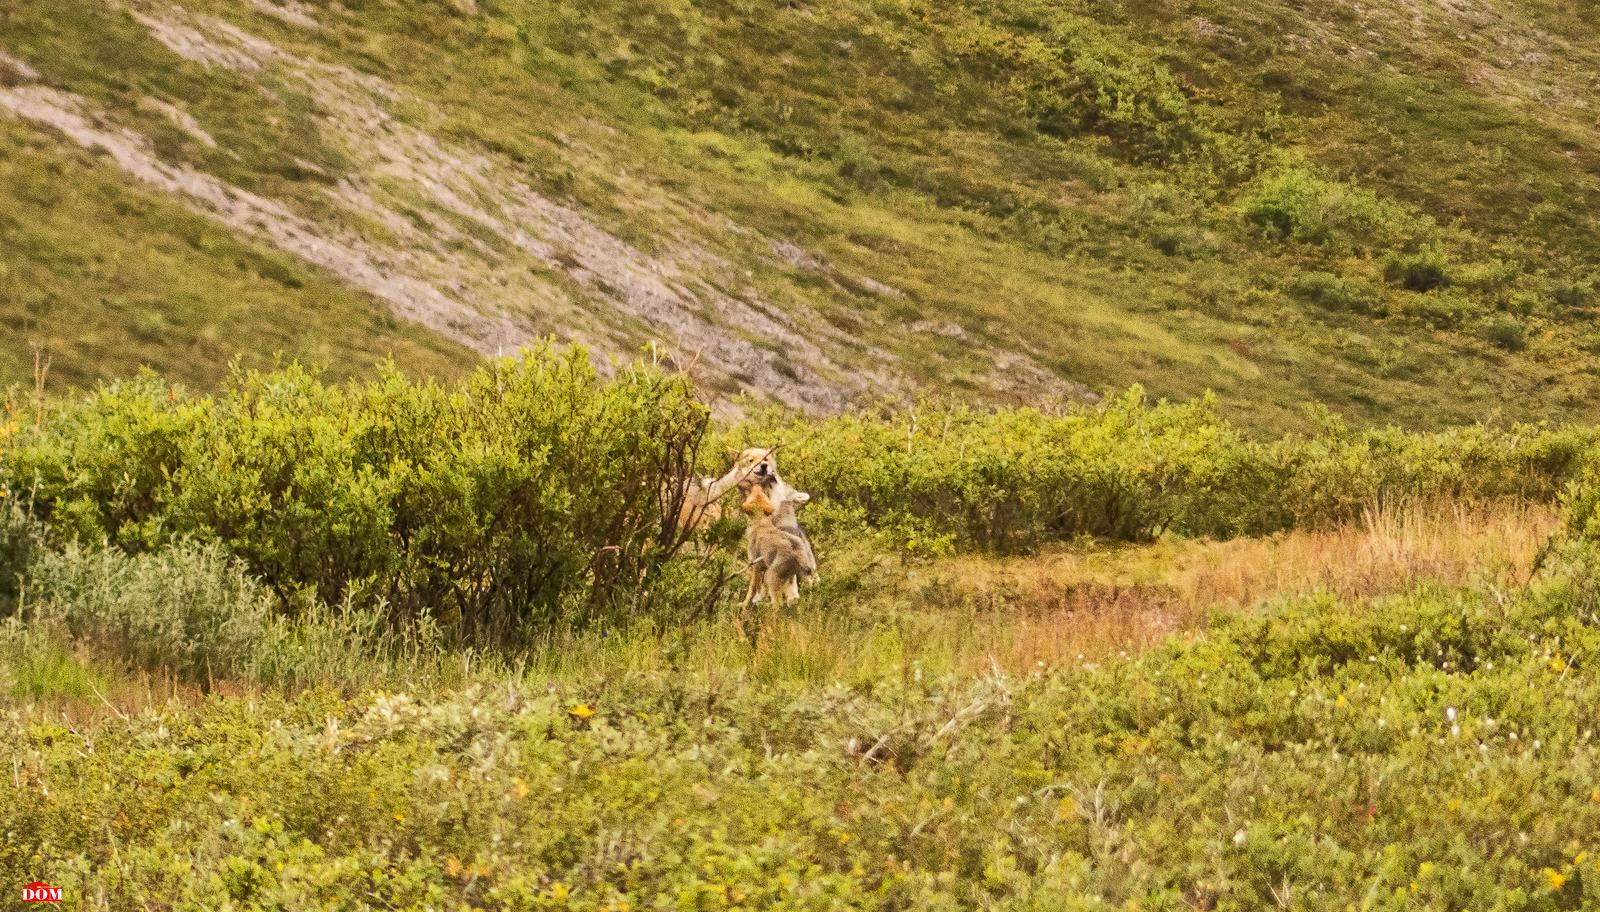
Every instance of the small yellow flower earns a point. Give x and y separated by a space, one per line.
401 818
582 711
1455 805
559 891
1340 701
519 788
1554 878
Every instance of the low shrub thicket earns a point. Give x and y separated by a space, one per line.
191 614
1434 750
530 490
534 492
1017 478
22 540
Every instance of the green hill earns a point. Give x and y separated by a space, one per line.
1386 207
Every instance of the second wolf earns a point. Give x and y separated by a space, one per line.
778 556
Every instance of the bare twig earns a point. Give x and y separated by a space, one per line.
107 702
41 369
977 706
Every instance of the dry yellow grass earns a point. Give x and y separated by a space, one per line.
977 615
1099 603
972 614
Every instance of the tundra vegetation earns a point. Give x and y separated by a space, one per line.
1386 208
388 643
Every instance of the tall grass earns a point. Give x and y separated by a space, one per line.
1440 737
970 615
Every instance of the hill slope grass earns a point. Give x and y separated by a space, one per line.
1385 210
110 277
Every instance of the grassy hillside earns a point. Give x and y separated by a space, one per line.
110 277
1385 208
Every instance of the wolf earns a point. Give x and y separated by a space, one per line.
778 556
700 502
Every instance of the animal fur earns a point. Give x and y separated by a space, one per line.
778 556
700 502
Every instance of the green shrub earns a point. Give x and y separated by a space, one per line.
857 162
189 609
1013 479
21 543
1297 205
529 491
1507 333
1328 290
1423 271
1010 479
1447 309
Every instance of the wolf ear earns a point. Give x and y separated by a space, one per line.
802 497
733 455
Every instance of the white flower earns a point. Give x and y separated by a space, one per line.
1238 838
1450 713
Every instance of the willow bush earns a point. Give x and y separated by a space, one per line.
535 490
1012 479
530 490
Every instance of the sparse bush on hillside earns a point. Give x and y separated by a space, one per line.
1330 291
1423 271
857 162
532 490
1446 309
1297 205
1506 333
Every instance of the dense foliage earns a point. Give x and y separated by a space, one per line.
1431 750
529 491
1017 478
533 491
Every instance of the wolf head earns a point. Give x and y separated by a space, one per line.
757 465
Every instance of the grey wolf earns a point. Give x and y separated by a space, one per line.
778 556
